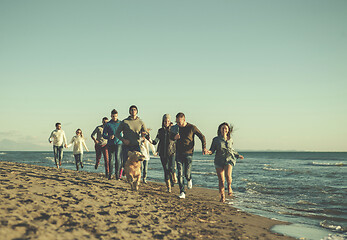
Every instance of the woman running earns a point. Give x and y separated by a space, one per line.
225 157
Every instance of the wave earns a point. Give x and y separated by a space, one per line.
2 153
50 158
205 173
326 224
303 202
325 164
202 160
274 169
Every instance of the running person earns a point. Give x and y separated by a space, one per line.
100 145
225 158
114 145
166 149
185 150
131 127
78 143
59 141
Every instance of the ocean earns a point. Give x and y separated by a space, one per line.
308 189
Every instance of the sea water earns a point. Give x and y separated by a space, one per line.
308 189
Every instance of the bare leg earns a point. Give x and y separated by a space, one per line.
228 175
221 180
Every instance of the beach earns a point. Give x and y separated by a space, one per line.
47 203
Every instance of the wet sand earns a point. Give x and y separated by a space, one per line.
46 203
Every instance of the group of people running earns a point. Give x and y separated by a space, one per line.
114 139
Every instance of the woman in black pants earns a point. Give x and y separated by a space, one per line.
166 149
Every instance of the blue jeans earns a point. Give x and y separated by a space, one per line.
126 149
58 154
184 166
115 150
78 160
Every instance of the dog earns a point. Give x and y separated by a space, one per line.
132 169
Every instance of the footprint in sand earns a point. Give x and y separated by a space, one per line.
28 228
43 216
27 201
133 216
122 212
104 213
113 229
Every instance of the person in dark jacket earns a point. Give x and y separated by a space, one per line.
114 145
166 149
185 150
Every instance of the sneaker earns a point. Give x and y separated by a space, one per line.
81 165
190 184
182 195
96 166
144 181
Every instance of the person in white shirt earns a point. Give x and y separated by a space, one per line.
59 141
78 143
144 147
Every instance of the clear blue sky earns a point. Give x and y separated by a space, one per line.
275 69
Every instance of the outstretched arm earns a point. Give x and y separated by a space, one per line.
71 142
65 141
93 134
202 139
50 137
213 147
156 140
153 149
236 154
85 146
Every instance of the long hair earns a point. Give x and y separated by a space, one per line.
81 132
230 127
166 116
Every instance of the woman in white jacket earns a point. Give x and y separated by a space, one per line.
78 143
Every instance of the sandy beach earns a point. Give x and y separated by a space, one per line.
46 203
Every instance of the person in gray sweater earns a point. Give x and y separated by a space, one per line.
131 127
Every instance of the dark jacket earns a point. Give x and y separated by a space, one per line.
167 144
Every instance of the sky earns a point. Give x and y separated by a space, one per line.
276 70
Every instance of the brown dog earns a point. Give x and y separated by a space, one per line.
132 169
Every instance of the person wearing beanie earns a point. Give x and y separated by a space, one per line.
132 127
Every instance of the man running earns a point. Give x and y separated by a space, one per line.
185 149
100 145
132 127
59 141
114 145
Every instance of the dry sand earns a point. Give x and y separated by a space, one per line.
46 203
